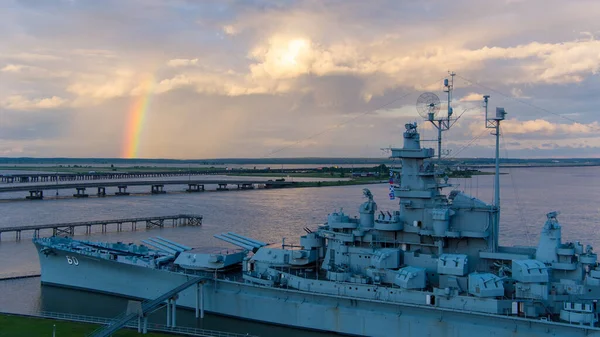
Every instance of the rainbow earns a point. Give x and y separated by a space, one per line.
135 120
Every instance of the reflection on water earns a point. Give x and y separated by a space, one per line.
21 296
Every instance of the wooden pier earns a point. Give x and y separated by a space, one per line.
68 229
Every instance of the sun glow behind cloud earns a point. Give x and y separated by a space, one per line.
294 48
281 58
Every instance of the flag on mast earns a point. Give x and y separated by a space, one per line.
392 194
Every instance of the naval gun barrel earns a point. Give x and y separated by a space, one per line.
174 243
160 247
234 242
243 240
175 248
259 243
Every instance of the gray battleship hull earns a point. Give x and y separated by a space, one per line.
290 307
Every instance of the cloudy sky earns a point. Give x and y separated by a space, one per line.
266 78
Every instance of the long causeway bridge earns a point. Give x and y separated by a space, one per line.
68 229
156 186
93 175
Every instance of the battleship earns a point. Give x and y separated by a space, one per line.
432 267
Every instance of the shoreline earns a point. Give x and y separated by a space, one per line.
223 169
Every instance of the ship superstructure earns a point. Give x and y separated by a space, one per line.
431 267
440 251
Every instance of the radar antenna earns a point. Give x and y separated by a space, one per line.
428 105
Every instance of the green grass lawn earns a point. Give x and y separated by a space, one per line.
19 326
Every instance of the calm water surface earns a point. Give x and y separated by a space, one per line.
268 215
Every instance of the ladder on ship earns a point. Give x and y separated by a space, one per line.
147 307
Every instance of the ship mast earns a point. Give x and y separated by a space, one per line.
443 124
428 105
493 122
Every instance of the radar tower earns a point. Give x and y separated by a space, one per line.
493 122
428 104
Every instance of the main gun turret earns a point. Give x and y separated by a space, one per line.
367 210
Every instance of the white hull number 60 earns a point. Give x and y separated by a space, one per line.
72 260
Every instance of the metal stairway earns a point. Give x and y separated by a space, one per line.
147 307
